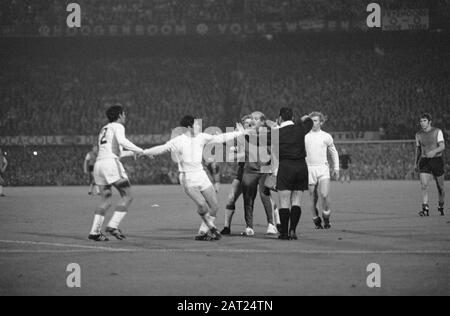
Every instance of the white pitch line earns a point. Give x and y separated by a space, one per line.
38 243
215 250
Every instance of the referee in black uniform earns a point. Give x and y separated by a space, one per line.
292 177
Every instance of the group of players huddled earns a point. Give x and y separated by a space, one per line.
298 162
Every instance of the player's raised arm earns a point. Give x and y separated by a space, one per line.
307 123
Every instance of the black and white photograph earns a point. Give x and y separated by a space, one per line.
224 153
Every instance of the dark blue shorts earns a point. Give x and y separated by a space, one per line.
434 166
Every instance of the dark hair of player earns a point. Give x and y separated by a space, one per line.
114 112
286 114
426 116
187 121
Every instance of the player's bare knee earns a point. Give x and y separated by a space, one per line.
214 209
203 209
101 210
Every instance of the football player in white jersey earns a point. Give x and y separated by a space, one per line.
317 143
187 151
109 172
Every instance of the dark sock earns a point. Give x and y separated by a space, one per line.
284 219
296 213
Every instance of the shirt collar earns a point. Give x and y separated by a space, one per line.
287 123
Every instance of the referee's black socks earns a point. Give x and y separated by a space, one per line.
284 220
296 213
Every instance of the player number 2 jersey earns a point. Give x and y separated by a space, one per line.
112 141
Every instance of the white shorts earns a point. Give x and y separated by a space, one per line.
318 173
109 171
195 180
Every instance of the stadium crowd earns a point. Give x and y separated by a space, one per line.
360 90
63 165
120 12
376 87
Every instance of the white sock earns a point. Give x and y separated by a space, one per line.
203 229
209 221
96 190
116 219
326 214
97 225
276 216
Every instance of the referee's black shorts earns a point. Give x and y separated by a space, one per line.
434 166
293 176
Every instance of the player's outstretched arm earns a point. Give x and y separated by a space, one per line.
125 143
307 123
128 153
226 137
157 150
